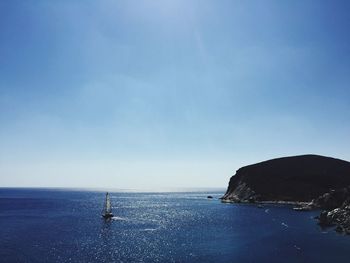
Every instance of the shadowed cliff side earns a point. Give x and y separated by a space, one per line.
296 179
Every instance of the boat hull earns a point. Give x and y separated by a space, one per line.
107 216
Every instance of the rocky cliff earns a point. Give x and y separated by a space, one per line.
336 209
296 179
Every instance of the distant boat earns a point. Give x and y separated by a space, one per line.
107 208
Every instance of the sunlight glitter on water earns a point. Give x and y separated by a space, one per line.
58 226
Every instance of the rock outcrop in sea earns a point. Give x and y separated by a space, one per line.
336 209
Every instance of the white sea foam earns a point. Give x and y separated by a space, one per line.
296 247
284 224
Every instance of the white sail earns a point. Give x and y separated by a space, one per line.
108 204
107 208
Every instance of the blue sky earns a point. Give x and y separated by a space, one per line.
158 94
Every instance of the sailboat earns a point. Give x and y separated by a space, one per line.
107 208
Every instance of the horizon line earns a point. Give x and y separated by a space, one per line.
121 190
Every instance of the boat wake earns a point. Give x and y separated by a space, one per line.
150 229
117 218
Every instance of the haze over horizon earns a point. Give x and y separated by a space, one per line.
159 94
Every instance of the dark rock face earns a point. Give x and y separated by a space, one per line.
339 217
297 179
336 206
333 199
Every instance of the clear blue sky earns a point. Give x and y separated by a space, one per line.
153 94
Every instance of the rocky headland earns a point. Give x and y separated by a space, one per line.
310 181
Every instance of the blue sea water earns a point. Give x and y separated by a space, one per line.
41 225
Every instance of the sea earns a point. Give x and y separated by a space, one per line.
61 225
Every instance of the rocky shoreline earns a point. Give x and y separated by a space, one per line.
335 207
297 204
